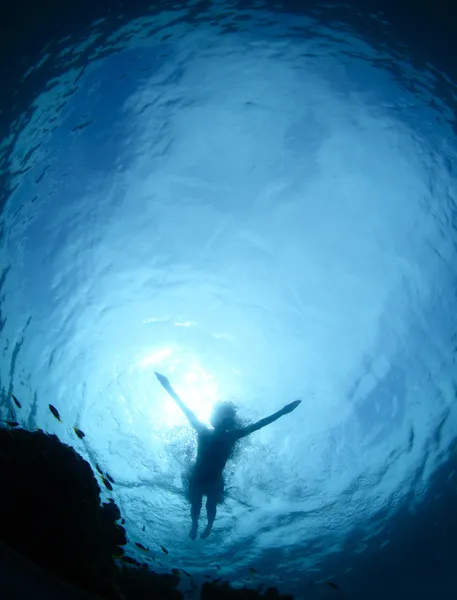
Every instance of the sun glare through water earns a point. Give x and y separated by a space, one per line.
189 379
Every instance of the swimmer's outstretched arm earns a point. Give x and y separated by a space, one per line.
196 424
263 422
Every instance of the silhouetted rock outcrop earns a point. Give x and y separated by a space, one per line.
52 516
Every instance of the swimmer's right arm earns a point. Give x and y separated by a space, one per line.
196 424
263 422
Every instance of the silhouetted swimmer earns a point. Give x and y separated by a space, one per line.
215 447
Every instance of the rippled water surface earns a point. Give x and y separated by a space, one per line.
262 207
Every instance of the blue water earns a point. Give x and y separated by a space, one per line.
261 206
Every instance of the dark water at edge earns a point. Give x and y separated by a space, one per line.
30 27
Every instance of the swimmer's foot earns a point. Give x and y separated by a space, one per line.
193 531
206 532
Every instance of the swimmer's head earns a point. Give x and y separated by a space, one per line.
224 416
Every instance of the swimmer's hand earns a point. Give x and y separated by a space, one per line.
290 407
199 427
163 380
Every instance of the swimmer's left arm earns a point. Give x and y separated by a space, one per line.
264 422
196 424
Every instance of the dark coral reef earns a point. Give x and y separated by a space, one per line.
52 515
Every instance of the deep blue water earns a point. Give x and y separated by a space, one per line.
261 205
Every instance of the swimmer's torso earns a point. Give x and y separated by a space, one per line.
214 449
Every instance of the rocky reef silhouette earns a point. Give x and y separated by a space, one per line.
53 518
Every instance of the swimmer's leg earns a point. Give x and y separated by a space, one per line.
195 508
211 507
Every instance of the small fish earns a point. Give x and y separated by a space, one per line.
217 567
251 570
164 550
98 469
81 126
144 527
130 561
16 401
12 423
123 522
55 412
207 576
176 572
141 547
186 573
107 484
332 585
109 478
79 433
